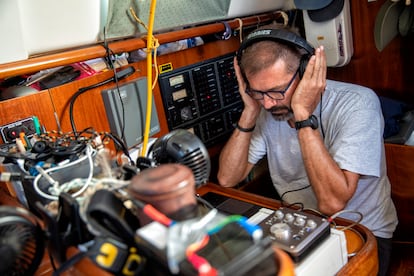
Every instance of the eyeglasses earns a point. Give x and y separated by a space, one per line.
273 94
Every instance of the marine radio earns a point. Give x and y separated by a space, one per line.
202 98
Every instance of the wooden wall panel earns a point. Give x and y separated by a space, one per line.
89 109
38 104
387 72
400 166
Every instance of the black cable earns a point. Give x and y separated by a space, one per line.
204 202
295 190
76 95
116 77
108 51
111 65
122 107
119 144
88 130
294 204
320 118
70 263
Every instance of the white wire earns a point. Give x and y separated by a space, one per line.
343 228
89 153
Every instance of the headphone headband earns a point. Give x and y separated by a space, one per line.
278 35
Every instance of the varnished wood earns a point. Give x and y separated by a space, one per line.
89 110
400 166
285 265
386 72
365 262
39 104
126 45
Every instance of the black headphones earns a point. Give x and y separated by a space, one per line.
279 35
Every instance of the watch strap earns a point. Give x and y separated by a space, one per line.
242 129
312 122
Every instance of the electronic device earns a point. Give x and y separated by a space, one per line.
282 36
327 258
11 131
126 109
182 146
334 34
231 250
202 98
61 76
22 242
294 231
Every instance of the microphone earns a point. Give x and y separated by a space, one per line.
182 146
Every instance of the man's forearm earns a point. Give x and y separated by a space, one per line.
332 187
233 164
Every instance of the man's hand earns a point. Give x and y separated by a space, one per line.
250 105
307 94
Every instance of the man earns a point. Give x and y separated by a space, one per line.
322 138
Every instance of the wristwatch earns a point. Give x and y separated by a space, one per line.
312 122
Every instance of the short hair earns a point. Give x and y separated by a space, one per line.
264 53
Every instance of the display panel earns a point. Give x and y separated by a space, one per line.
203 97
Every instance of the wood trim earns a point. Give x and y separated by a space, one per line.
400 170
127 45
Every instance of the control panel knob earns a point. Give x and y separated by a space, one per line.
289 217
281 231
186 113
311 224
279 215
300 221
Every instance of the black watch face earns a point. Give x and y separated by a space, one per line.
311 122
314 122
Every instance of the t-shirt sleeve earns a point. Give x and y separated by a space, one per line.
357 145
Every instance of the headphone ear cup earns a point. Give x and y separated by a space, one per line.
302 65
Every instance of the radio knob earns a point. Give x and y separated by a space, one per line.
311 224
186 114
300 221
279 215
280 231
289 217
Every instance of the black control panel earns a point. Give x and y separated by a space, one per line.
294 231
203 98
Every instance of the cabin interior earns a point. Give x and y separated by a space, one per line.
183 78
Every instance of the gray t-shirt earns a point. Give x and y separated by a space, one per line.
352 125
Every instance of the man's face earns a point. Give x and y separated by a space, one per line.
275 86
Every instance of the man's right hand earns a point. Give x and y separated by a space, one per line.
252 106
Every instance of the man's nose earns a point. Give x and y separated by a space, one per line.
268 102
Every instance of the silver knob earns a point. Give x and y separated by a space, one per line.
311 224
280 231
289 217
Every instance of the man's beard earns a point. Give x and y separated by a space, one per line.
281 113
